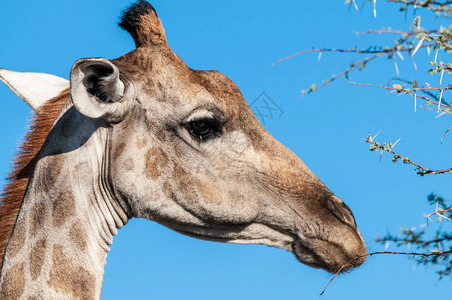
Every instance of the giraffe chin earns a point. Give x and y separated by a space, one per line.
329 256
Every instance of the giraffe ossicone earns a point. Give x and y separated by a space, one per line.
146 136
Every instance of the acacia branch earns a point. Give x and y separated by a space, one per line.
370 50
420 170
412 92
439 213
440 6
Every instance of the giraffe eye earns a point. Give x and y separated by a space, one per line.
203 129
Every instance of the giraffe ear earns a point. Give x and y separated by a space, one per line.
34 88
97 91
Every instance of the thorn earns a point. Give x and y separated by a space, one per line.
442 216
441 78
414 63
428 50
376 135
320 55
375 9
418 46
415 102
395 143
400 55
439 101
440 115
396 67
436 55
356 6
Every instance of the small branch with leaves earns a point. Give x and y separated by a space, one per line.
427 236
388 147
442 106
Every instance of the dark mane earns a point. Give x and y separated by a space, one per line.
24 165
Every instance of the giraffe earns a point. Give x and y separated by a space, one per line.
146 136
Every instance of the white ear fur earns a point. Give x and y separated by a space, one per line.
97 91
34 88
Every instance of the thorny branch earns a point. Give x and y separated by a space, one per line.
442 106
439 213
387 147
436 6
410 41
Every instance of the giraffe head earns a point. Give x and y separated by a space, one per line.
185 150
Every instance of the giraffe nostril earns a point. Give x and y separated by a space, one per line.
341 211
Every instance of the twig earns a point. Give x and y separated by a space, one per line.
426 32
435 253
438 212
363 51
408 92
420 169
444 135
429 4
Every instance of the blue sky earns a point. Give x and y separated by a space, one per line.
242 40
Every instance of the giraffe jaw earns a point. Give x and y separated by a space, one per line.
255 233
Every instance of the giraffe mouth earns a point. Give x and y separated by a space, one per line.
328 256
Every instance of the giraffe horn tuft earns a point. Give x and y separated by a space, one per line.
143 24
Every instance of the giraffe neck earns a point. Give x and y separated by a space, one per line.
61 238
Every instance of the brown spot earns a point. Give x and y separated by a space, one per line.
16 241
208 191
37 218
37 256
32 298
166 188
63 208
155 161
141 142
67 278
82 166
128 164
118 151
184 181
48 178
13 284
78 235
